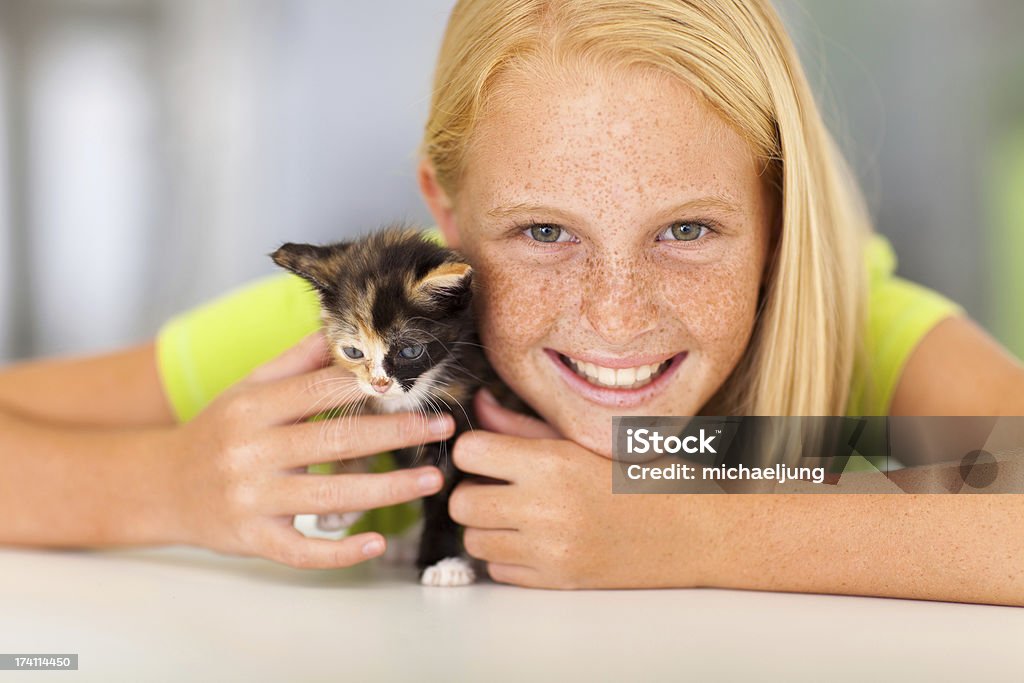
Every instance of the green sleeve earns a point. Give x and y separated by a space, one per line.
202 352
900 314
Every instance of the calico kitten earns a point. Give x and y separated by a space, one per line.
396 312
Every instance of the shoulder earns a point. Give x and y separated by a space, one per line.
202 351
923 355
958 369
899 314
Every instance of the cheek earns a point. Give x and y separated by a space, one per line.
356 368
518 307
717 305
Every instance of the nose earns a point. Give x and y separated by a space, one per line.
619 303
380 384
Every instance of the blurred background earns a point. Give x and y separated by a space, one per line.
153 151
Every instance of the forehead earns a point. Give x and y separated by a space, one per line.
605 140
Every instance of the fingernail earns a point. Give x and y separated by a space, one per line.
429 481
439 425
374 547
488 397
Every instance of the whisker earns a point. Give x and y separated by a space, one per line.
313 409
423 400
443 447
324 422
436 385
468 343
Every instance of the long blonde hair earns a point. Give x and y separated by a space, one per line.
737 55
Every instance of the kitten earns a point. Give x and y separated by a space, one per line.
396 312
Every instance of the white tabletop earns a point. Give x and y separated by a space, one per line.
179 614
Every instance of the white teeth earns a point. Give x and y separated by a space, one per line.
623 378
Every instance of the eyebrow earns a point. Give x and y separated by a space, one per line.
706 203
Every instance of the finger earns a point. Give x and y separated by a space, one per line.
502 546
514 574
289 399
289 546
297 494
496 418
309 354
487 453
352 437
482 506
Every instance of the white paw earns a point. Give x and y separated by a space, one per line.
451 571
336 522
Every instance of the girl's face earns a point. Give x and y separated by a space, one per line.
619 232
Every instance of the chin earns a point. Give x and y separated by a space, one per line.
591 430
594 437
594 432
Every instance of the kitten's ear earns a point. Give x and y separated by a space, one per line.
310 261
449 284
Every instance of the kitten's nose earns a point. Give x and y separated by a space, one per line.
380 384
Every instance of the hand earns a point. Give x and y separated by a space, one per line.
241 474
556 523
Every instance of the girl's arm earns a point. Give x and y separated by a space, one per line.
69 486
89 456
965 548
118 389
958 369
558 525
84 451
959 548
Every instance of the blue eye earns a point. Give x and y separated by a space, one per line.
545 232
352 352
684 231
411 352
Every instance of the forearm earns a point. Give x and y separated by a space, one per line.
84 487
117 389
962 548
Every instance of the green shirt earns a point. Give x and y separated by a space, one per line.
203 351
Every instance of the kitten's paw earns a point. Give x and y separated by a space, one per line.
336 522
451 571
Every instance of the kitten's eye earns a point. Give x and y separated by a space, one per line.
352 352
684 232
411 352
545 232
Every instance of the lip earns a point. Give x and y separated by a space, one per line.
618 363
617 398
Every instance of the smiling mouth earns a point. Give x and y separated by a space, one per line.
616 378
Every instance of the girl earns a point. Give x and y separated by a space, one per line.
645 190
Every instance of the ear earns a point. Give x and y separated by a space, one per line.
438 202
310 261
449 284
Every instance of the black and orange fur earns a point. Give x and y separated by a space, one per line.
394 290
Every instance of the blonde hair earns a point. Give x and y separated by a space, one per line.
737 56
